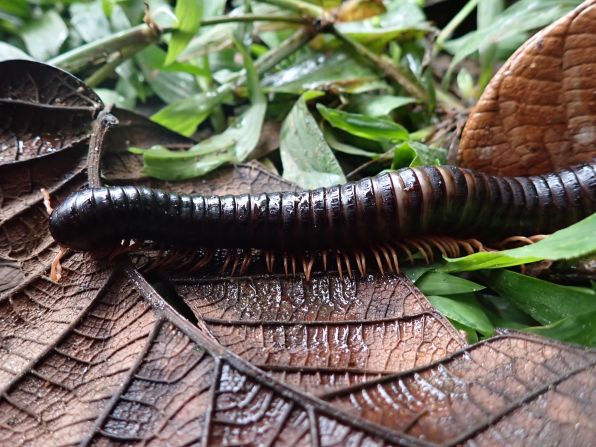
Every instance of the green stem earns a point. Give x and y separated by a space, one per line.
253 18
446 32
112 63
299 6
99 51
385 64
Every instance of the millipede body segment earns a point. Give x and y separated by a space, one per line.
411 202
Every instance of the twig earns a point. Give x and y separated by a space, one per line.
446 32
112 63
299 6
254 18
97 52
384 64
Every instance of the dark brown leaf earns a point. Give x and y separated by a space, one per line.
510 390
325 334
42 110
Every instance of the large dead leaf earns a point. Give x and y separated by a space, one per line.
101 357
325 334
538 112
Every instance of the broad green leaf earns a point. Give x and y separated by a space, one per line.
371 128
18 8
579 329
184 167
404 21
8 52
168 85
544 301
465 310
305 155
413 153
439 283
380 105
233 145
337 145
188 14
521 17
89 20
571 242
44 36
185 115
503 313
248 130
337 72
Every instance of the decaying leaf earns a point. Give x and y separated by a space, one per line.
537 113
101 358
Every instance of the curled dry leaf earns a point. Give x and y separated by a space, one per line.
101 358
538 113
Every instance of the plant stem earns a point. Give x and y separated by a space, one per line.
112 62
299 6
99 51
446 32
253 18
384 64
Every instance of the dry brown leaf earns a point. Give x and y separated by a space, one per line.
538 113
325 334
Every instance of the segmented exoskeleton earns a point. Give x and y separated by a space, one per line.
376 217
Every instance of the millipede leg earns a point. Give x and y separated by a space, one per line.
407 251
47 200
285 263
338 262
378 259
227 261
235 264
420 249
204 261
348 264
394 257
387 258
307 265
360 262
245 263
324 256
56 267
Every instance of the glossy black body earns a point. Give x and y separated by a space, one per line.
437 200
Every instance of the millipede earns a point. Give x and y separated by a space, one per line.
408 213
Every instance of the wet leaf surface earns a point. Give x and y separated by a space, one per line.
101 358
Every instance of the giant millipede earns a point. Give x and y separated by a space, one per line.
379 218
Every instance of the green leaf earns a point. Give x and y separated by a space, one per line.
413 153
371 128
380 105
521 17
404 21
338 73
185 115
44 36
18 8
337 145
8 52
465 310
180 166
168 85
571 242
305 155
89 20
580 329
439 283
544 301
248 130
189 14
